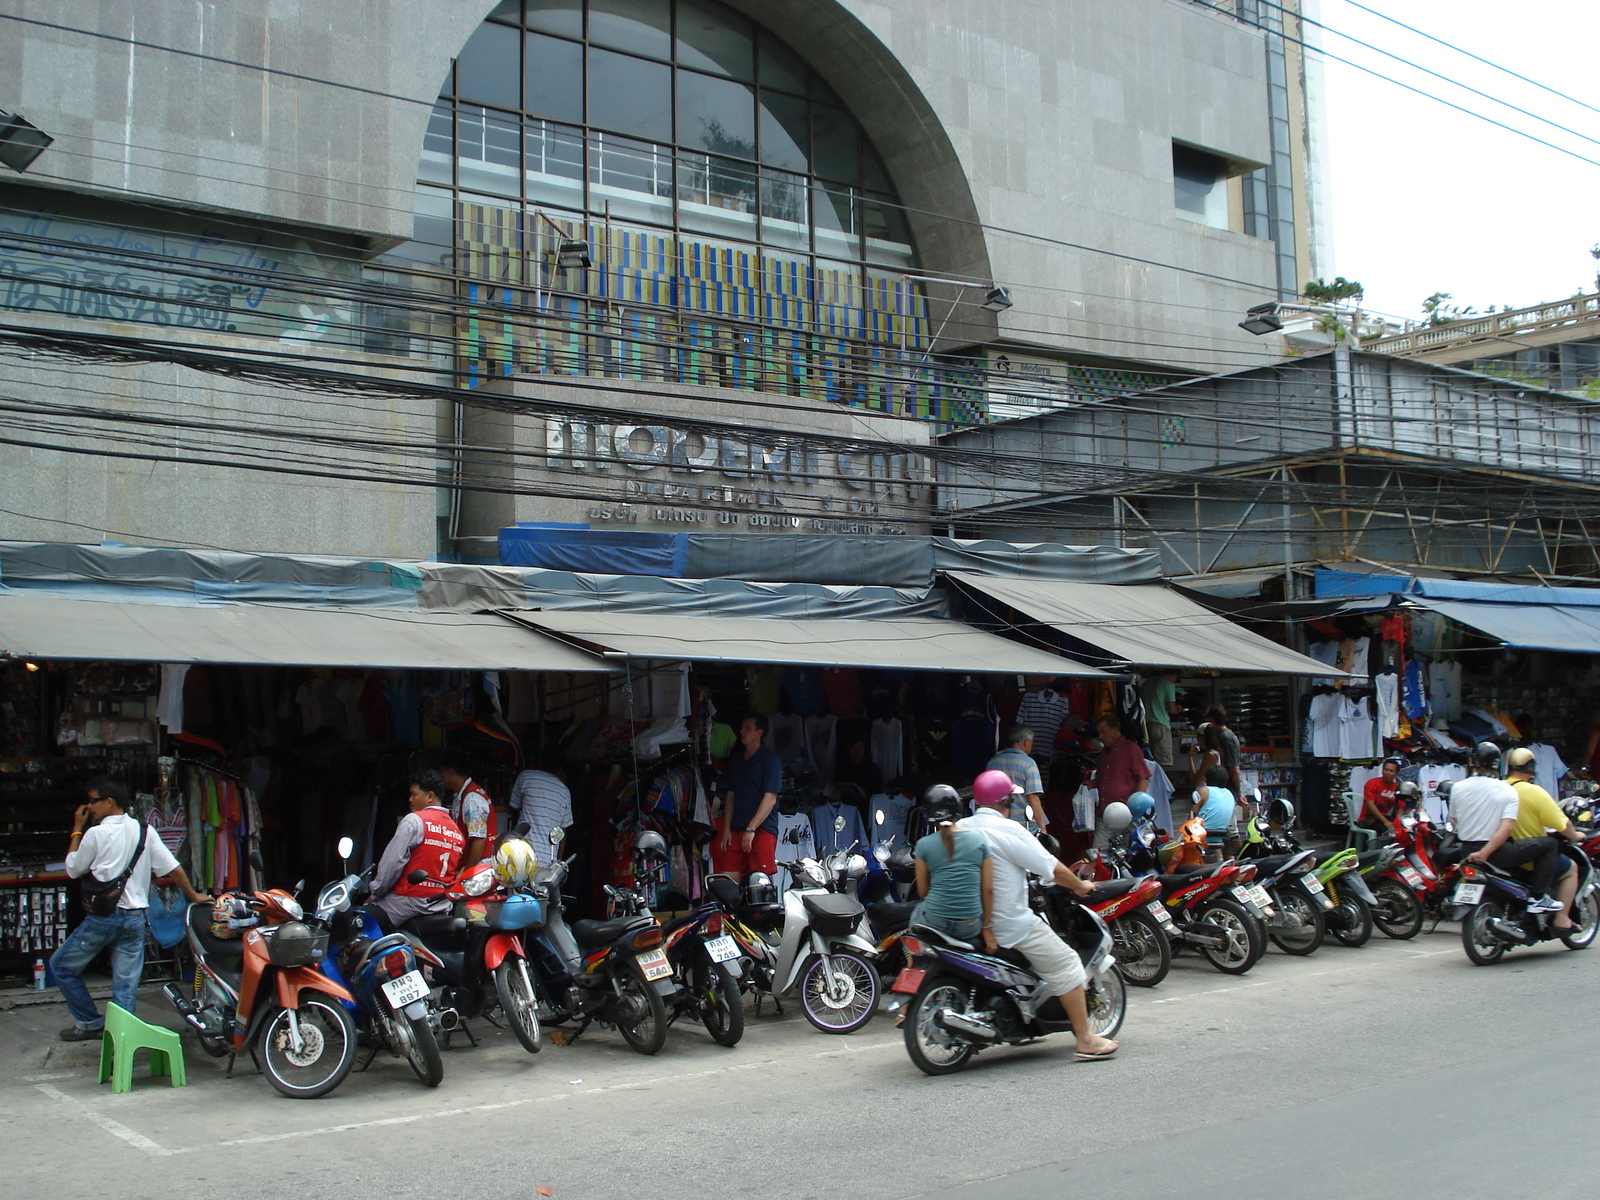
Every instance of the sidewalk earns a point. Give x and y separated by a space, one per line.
30 1022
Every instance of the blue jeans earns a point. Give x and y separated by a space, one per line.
124 933
966 929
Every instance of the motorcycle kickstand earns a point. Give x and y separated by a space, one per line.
228 1074
466 1029
370 1057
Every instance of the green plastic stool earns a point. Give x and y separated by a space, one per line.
124 1035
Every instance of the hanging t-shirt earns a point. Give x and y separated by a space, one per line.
1415 691
896 808
794 838
1043 710
1428 780
1356 729
1548 768
888 744
787 732
838 826
765 683
804 685
821 737
1386 691
843 690
1324 723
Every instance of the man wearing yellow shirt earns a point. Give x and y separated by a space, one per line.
1538 815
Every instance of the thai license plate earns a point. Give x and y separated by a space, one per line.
909 980
1158 910
1262 899
1468 893
655 965
721 949
1243 896
1410 875
1313 884
408 989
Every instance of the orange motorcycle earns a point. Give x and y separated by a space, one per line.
260 988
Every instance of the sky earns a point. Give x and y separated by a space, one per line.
1426 199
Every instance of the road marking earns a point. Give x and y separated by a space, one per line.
55 1075
116 1128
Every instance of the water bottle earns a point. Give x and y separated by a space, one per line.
38 974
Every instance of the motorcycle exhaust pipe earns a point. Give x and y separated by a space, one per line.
449 1019
1508 930
966 1025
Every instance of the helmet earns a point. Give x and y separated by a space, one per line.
1442 788
1521 760
1117 816
515 863
1141 804
992 787
231 915
942 804
1486 756
1408 792
647 843
759 890
1280 813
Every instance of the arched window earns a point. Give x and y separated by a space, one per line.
740 228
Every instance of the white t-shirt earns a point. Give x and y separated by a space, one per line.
1478 805
104 853
1324 717
1428 779
1356 729
1548 768
1016 855
794 838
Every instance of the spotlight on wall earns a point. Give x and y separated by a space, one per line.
1263 318
997 299
33 666
574 256
20 141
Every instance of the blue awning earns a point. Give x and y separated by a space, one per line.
1572 629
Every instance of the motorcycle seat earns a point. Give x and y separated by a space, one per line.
215 947
1367 859
436 925
889 915
588 932
1271 865
1171 883
1109 888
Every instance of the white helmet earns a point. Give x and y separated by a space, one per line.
1117 816
515 863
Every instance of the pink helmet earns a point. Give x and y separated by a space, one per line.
992 787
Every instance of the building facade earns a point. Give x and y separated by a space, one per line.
360 279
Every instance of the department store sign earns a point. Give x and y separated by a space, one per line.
675 476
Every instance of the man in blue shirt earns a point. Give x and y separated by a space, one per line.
1016 760
749 838
1214 801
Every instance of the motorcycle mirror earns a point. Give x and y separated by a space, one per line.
346 846
299 885
877 816
838 823
417 876
555 836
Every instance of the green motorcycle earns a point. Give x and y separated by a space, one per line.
1350 918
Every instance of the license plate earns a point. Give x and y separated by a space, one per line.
1159 911
1259 895
655 965
721 949
1410 875
1243 896
1313 884
1468 893
408 989
909 980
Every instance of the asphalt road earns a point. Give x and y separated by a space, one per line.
1397 1070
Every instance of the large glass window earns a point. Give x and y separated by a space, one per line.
553 71
630 95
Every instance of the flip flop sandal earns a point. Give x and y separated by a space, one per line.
1098 1055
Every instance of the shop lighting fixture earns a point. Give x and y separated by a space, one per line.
31 666
574 256
997 299
1263 318
20 141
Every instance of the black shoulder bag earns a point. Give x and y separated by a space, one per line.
101 897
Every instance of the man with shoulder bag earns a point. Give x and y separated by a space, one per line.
115 860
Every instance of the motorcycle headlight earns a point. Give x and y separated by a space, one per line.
477 885
881 852
855 866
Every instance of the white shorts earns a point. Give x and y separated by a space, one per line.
1052 959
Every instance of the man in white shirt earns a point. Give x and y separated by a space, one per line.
545 804
1484 810
104 853
1016 854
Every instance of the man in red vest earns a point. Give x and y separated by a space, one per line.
426 840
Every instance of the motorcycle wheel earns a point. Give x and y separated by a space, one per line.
1143 954
1585 923
934 1050
1107 996
412 1038
1398 911
721 1004
1478 938
1299 927
328 1048
517 1000
646 1034
1242 951
1355 927
856 1001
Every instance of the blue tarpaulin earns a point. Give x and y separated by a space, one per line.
594 551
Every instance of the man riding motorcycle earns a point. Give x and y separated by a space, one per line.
1016 853
1485 812
1538 815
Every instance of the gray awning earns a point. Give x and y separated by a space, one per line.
1573 629
47 626
1145 625
919 644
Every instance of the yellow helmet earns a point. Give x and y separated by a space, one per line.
515 863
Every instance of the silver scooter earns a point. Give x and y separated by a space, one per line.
825 949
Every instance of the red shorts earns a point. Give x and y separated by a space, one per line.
735 861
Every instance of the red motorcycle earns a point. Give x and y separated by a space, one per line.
1139 925
1418 883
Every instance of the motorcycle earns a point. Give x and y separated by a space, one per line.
964 1000
1430 868
1492 905
823 949
482 964
1395 885
1139 924
615 971
266 992
393 1006
1350 919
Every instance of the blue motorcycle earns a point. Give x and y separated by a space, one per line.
393 1007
